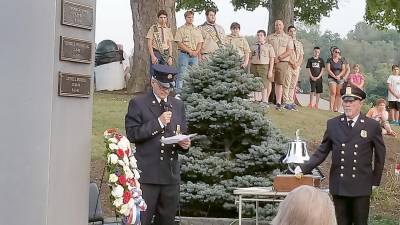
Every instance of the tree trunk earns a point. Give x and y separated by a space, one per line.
144 14
280 10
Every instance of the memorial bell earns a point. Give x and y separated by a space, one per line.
297 151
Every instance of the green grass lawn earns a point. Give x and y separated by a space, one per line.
109 111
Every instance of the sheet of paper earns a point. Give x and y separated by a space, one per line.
176 138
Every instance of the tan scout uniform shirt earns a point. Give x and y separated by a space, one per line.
297 52
189 35
213 36
239 43
280 42
262 57
163 35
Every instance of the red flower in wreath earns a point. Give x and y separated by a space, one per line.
398 167
120 153
126 197
122 180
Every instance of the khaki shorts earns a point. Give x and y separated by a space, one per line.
261 70
281 70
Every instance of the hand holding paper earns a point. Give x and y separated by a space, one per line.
177 138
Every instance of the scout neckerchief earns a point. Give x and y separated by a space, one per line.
212 31
159 41
259 50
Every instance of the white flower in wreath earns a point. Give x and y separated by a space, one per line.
126 160
133 162
117 191
112 158
128 172
125 210
136 174
118 202
121 162
113 140
112 178
106 134
123 145
113 146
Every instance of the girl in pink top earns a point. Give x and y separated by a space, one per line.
356 78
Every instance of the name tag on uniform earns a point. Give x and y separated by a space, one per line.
363 133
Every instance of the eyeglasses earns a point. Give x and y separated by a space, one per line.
162 87
336 52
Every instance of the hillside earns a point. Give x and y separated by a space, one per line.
109 111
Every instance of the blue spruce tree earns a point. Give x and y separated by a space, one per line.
238 147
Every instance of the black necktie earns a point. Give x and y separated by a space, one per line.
163 105
259 51
350 122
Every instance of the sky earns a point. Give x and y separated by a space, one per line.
114 19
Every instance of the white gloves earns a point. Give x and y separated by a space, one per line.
297 172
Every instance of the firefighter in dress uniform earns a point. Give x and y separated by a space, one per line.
151 117
358 157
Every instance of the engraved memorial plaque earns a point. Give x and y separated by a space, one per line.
75 50
74 85
77 15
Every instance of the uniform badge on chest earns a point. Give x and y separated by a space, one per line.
363 133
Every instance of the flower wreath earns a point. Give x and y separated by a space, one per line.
123 176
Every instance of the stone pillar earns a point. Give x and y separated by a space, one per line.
45 133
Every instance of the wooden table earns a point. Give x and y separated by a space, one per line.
257 194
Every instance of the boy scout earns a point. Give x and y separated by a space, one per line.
262 63
239 43
353 139
159 41
295 61
283 46
189 40
213 35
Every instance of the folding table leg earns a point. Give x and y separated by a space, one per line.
240 209
256 212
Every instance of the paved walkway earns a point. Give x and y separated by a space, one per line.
304 99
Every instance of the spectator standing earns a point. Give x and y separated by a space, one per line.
239 43
393 84
159 41
356 78
283 47
189 40
213 35
295 61
262 63
336 68
315 67
379 113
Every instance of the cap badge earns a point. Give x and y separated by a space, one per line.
348 90
169 76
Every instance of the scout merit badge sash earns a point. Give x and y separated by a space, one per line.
212 31
159 42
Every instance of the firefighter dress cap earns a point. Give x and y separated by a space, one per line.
165 75
351 93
